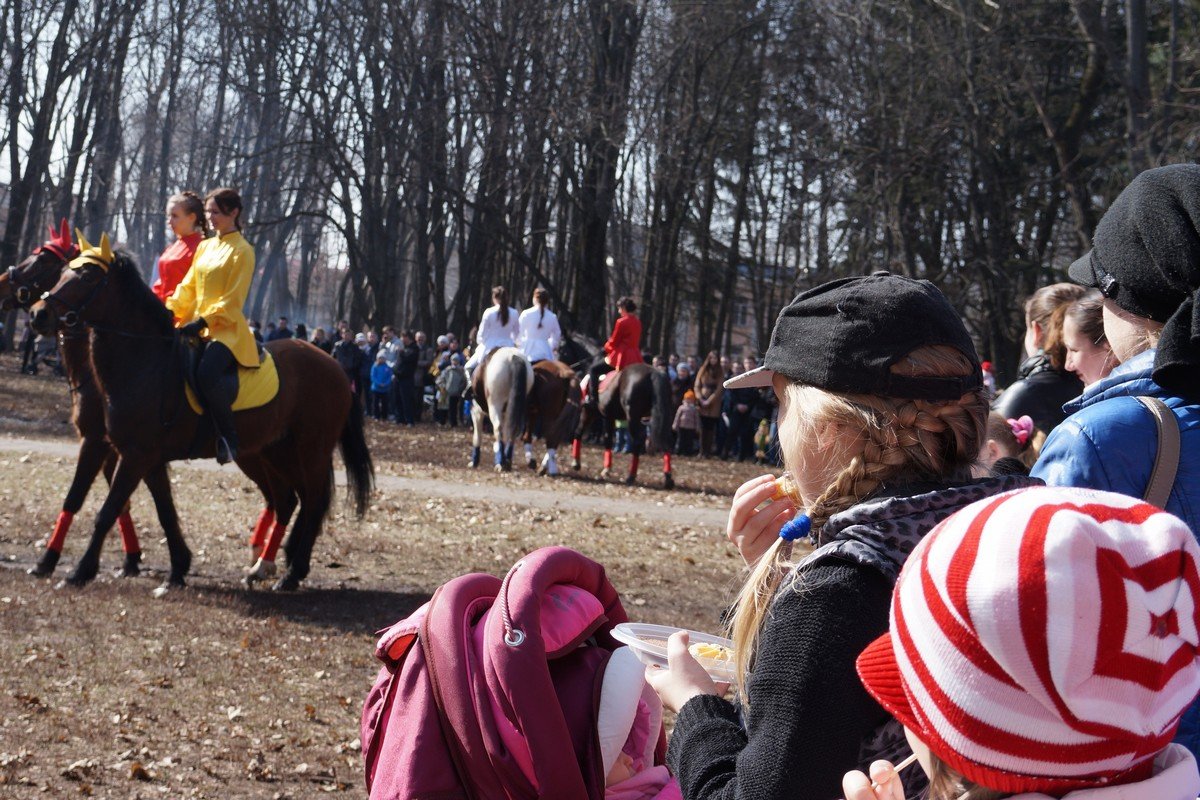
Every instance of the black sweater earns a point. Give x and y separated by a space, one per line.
808 713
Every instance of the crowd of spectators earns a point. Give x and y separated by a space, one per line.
405 377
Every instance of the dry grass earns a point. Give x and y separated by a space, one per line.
216 691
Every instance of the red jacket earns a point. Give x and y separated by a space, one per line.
174 264
624 347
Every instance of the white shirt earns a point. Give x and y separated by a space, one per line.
492 334
539 343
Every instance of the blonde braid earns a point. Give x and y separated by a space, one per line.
883 440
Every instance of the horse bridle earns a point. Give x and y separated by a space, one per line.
72 314
25 293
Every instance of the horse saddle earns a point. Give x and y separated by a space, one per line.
607 381
257 386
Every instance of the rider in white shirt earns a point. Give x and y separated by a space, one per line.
498 328
539 328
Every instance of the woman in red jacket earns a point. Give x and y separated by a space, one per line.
622 349
185 217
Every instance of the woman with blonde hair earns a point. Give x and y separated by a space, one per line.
882 412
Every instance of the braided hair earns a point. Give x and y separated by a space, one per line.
882 440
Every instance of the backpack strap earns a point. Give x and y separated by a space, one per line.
1166 460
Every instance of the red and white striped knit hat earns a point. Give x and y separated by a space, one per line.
1044 640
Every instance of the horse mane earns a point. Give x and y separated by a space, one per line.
134 291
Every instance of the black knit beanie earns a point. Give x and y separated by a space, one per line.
1145 257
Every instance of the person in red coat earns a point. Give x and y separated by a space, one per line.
185 216
623 348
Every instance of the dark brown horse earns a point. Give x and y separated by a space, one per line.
20 287
286 445
554 409
636 392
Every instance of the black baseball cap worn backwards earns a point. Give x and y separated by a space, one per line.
845 335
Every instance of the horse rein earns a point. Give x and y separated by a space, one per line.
72 317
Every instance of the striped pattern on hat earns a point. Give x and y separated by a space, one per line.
1045 639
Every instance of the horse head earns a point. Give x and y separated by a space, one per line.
23 284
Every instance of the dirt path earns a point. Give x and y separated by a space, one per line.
708 519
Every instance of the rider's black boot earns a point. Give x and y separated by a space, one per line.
227 442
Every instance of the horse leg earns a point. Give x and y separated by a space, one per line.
476 434
668 479
311 481
576 452
527 439
130 471
158 481
257 470
637 436
314 504
92 452
283 498
609 429
130 546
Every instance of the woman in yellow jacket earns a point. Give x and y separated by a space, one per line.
208 303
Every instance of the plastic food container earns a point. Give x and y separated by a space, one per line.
649 643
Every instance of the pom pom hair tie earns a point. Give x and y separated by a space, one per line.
796 528
1022 429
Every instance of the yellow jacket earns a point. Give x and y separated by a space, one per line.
216 288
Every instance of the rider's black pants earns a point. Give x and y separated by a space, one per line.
216 377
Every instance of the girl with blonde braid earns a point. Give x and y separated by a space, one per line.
882 412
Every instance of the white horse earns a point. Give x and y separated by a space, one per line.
503 396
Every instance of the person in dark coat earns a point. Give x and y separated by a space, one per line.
349 358
406 370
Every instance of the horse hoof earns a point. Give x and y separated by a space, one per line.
498 468
261 571
606 473
541 470
668 481
132 566
76 581
575 465
45 567
532 463
630 480
286 584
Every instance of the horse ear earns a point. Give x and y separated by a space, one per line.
105 248
84 244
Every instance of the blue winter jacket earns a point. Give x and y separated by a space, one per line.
1110 441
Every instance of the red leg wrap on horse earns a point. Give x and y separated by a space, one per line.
633 465
265 520
272 547
129 540
576 449
61 526
608 459
667 463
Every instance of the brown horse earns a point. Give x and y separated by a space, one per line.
286 445
20 287
554 407
634 393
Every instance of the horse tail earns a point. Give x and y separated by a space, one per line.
661 415
518 400
567 424
360 471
